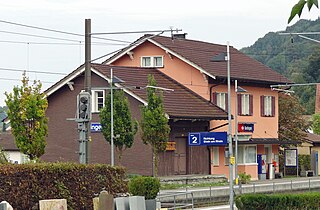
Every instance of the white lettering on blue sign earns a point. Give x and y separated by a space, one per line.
96 127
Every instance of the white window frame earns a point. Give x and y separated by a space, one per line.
243 158
267 105
221 100
245 104
215 160
94 100
152 61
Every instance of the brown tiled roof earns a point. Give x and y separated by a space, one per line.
241 65
313 137
182 103
7 141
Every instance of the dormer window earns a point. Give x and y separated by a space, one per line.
152 61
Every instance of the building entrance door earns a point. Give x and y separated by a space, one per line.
180 156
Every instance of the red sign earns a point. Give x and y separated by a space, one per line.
245 127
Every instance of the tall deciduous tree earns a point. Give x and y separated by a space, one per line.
292 125
298 7
124 127
26 112
154 123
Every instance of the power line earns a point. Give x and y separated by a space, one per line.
59 43
32 71
10 79
33 35
58 31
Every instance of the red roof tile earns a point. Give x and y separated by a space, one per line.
241 65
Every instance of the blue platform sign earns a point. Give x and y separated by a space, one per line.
207 139
95 127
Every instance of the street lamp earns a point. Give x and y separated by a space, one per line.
237 89
226 57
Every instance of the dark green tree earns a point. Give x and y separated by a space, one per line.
26 112
123 126
292 125
154 123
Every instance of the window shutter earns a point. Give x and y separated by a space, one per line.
239 104
273 106
226 101
250 105
214 98
262 106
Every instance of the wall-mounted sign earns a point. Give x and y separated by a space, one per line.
95 127
246 127
171 146
207 139
290 157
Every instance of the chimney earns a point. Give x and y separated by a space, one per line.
179 36
317 104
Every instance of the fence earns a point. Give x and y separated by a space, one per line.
221 194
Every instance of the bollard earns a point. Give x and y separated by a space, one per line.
106 201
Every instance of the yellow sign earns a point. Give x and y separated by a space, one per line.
171 146
232 160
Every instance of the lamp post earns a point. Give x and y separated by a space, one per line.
237 89
219 58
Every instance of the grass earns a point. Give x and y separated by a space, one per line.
177 186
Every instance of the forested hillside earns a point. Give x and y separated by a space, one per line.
295 57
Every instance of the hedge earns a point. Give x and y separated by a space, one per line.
305 201
144 186
24 185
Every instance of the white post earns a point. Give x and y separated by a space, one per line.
236 131
231 201
111 110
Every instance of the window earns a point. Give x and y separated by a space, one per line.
247 154
152 61
267 106
226 156
157 61
245 104
146 62
215 160
220 99
98 98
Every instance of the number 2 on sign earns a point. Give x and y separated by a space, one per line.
194 140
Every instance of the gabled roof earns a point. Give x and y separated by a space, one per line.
7 141
198 54
181 103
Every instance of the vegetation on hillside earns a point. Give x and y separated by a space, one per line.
292 56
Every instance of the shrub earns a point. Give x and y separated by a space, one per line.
144 186
24 185
244 178
305 201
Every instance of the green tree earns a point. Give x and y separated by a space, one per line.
26 112
298 7
316 123
292 125
124 127
154 123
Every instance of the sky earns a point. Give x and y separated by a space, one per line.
241 22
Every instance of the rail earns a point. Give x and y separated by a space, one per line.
174 204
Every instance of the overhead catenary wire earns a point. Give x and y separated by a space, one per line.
31 71
59 31
59 43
